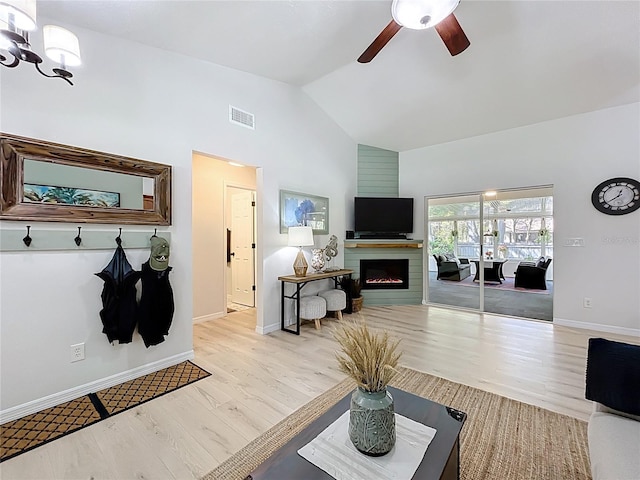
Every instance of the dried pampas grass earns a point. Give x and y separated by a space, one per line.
367 357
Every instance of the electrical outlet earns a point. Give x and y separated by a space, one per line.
586 303
77 352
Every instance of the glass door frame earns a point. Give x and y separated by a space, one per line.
425 293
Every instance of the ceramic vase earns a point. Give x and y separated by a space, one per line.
317 259
372 422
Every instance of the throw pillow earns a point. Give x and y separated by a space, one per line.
613 375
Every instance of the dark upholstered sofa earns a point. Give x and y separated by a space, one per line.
532 275
612 379
452 268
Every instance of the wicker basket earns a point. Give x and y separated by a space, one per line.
356 304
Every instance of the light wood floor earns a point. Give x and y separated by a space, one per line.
258 380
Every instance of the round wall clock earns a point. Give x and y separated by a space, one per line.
617 196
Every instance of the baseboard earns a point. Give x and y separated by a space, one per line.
597 327
49 401
210 316
274 327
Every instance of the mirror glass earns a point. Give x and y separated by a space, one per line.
51 183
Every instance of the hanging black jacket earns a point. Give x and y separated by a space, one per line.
156 305
118 312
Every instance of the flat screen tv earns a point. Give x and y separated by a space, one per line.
383 215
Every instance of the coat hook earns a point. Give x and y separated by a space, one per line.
155 232
27 240
78 239
119 237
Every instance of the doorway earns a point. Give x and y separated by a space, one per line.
485 251
241 248
212 180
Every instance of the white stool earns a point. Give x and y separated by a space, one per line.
313 308
336 301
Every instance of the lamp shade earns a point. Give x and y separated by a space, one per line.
421 14
24 13
61 45
300 236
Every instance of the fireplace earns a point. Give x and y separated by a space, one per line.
384 274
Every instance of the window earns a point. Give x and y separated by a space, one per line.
518 225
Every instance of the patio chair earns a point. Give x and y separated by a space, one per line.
532 275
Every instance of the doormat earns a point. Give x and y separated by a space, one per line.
27 433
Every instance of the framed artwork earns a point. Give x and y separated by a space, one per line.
70 196
301 209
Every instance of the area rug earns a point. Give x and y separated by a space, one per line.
27 433
501 439
507 284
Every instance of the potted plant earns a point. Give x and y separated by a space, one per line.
370 359
353 286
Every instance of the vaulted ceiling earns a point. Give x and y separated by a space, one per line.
529 61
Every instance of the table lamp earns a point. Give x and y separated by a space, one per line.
300 237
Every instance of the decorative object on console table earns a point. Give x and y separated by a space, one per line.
353 287
317 259
301 209
300 237
370 359
330 252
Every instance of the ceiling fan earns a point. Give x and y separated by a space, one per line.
418 15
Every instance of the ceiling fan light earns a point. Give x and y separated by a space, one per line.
421 14
61 45
24 14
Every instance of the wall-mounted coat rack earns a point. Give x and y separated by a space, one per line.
73 239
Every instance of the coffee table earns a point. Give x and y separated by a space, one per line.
492 273
441 460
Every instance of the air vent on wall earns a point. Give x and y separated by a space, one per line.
240 117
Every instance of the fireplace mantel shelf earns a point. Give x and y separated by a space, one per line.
382 244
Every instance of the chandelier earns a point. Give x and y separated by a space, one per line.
17 19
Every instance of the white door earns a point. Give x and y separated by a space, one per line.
242 248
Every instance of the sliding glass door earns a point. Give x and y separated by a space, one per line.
454 240
492 252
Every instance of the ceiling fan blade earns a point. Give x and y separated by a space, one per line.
452 35
380 41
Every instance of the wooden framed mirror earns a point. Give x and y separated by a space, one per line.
49 182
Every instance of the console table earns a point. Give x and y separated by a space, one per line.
300 282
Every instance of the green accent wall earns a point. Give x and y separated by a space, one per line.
410 296
377 172
378 176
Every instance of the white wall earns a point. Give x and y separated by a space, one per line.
153 105
574 154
